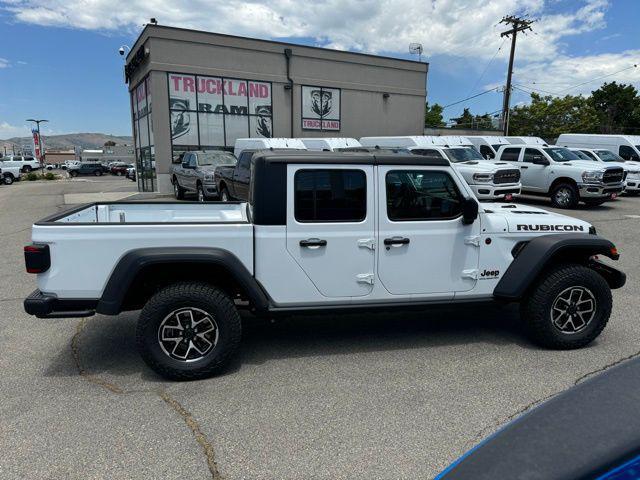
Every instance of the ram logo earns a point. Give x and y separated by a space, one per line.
550 228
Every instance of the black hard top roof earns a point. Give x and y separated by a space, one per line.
351 158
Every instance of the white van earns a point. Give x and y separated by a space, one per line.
527 141
488 180
488 146
627 146
266 143
330 144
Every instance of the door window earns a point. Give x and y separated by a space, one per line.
330 196
510 154
628 153
530 154
422 195
486 151
193 161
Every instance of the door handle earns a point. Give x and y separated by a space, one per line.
396 241
524 166
313 243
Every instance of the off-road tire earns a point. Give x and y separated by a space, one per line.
571 190
98 173
178 191
196 295
537 305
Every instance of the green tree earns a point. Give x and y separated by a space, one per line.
109 143
618 108
433 116
548 116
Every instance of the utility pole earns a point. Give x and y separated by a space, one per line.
518 25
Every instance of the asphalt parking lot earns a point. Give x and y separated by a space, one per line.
384 396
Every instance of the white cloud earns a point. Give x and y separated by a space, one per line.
4 63
564 75
467 28
10 131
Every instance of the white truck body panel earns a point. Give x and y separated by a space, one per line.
330 144
266 143
527 141
94 239
488 146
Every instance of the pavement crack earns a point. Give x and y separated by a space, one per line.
606 367
200 437
75 349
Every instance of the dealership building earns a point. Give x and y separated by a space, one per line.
193 90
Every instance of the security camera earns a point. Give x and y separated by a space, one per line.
121 50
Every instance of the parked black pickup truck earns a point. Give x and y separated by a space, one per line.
232 181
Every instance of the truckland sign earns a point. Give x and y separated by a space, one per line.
320 108
216 111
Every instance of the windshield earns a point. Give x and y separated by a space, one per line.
583 156
559 154
216 159
608 156
497 146
462 154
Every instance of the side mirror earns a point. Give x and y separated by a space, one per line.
540 160
469 211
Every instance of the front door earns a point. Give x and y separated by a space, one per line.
532 175
423 246
331 227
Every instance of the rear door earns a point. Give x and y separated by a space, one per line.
331 226
423 246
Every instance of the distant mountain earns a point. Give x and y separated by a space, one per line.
69 141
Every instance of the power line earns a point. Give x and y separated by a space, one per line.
469 98
598 78
486 67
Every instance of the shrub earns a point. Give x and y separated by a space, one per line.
49 176
32 176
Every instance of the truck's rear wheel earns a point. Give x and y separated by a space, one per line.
565 195
567 308
178 191
188 331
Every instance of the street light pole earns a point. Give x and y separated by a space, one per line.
38 122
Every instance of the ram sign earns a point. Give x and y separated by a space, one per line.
214 111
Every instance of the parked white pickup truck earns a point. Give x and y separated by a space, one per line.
488 180
324 231
560 174
9 174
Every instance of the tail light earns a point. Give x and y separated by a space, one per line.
37 258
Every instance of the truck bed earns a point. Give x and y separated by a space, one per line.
151 212
87 242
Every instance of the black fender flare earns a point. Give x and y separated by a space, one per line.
539 252
131 263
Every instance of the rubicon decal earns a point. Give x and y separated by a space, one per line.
550 228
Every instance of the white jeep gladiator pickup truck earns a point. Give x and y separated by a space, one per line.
323 231
560 174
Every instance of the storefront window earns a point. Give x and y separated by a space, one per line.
143 136
212 112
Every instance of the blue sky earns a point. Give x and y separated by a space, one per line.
59 59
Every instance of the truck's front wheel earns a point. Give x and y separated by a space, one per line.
567 308
565 195
188 331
